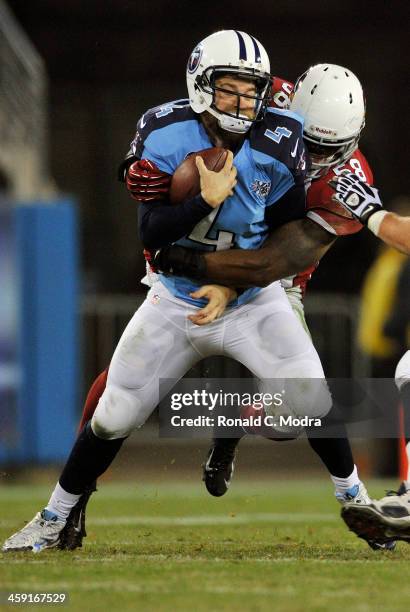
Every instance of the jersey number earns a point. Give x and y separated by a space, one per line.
356 167
201 230
166 109
278 134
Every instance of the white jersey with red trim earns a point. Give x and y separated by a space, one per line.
321 206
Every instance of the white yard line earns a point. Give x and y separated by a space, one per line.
218 519
122 586
207 519
30 560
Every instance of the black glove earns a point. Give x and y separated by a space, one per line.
180 262
359 198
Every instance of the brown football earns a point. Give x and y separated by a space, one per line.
185 180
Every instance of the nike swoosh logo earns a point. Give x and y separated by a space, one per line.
293 153
142 122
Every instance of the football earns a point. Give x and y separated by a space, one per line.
185 182
258 422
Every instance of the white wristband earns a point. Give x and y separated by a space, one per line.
375 220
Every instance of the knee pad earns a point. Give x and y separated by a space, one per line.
308 397
118 413
300 398
402 374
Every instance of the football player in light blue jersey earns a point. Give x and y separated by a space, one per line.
229 87
260 186
148 183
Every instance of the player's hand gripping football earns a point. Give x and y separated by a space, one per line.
217 186
218 296
359 198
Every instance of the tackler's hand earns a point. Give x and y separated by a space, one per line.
356 196
218 298
145 182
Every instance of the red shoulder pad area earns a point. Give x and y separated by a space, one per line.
281 90
324 210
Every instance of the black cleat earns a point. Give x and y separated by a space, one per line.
71 537
367 524
218 469
387 545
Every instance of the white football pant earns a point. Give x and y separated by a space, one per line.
161 343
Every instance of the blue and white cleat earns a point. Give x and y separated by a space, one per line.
355 502
356 495
40 533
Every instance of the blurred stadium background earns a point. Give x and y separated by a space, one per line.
74 78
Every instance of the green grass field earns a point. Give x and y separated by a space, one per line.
264 546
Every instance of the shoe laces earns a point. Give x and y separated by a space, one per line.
400 491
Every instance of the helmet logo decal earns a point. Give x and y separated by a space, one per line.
194 59
320 130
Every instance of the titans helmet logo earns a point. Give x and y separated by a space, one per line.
194 59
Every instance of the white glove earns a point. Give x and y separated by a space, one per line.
359 198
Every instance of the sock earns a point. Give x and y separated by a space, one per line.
61 502
90 457
92 399
343 484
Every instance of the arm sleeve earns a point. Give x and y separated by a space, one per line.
290 207
124 165
162 224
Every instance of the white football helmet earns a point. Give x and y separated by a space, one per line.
234 53
331 101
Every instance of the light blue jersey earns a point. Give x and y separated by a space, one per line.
270 161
